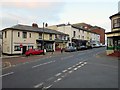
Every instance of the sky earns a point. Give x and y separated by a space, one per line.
53 12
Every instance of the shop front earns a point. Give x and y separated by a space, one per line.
46 44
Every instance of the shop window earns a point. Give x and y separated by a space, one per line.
17 48
24 34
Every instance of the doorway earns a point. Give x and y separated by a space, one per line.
24 49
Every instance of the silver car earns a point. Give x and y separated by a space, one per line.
70 49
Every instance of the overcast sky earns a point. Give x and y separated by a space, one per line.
26 12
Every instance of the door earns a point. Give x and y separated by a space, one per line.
24 49
116 43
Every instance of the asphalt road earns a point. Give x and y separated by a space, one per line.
81 69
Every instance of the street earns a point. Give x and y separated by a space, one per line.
82 69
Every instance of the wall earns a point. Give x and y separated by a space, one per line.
7 42
24 41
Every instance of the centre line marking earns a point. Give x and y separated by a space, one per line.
59 79
69 68
64 71
75 68
78 66
48 86
58 74
36 86
70 71
6 74
80 62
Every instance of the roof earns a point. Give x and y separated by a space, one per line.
33 29
117 14
78 27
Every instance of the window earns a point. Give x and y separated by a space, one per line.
68 38
24 34
5 34
17 48
55 36
83 37
18 34
50 37
30 35
40 35
83 32
64 37
74 33
116 23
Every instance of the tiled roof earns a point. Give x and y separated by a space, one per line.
33 29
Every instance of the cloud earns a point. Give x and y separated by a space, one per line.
29 12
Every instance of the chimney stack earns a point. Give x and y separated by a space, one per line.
34 25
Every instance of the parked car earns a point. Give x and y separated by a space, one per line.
33 52
83 47
70 49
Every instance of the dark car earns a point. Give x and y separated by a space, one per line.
70 49
33 52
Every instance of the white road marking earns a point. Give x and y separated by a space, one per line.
78 66
64 71
70 71
36 66
85 62
50 78
38 85
58 74
48 86
75 68
6 74
59 79
62 76
80 62
69 68
43 64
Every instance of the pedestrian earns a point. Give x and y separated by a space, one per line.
61 50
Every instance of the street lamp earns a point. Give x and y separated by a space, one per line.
44 50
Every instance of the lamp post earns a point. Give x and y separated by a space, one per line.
44 50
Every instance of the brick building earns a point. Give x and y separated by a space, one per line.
100 31
94 29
